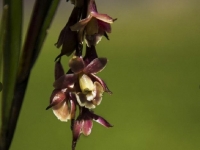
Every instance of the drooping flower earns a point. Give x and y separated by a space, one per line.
68 39
62 101
89 88
94 26
59 104
84 123
80 87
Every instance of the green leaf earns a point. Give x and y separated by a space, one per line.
41 19
36 34
11 48
16 73
3 32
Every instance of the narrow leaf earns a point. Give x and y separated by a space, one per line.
11 47
42 16
3 32
40 22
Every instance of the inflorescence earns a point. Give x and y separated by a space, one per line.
80 88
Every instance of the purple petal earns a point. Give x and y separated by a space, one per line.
101 121
59 71
102 17
81 24
87 127
95 66
95 78
64 81
57 97
92 6
76 64
104 26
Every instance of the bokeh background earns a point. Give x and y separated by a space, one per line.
153 72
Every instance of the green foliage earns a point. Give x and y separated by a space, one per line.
11 46
14 84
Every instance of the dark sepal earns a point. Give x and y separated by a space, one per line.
64 81
57 96
59 71
76 64
101 121
95 66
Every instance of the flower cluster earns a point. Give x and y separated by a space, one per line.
80 88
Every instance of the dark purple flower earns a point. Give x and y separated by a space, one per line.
91 89
80 86
94 26
62 101
84 123
59 104
68 39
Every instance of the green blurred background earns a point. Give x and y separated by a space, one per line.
153 72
